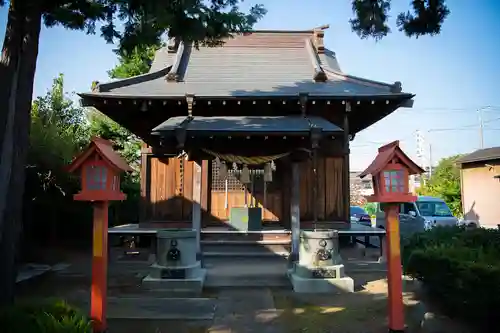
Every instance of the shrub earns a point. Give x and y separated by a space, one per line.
54 317
459 269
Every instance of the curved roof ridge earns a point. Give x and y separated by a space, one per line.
105 87
287 31
269 31
395 87
319 73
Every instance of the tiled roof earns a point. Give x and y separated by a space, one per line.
385 154
105 149
481 155
261 63
277 124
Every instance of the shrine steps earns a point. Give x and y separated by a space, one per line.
240 244
243 272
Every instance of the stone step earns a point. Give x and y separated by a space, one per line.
264 281
226 235
192 285
364 266
246 272
239 249
247 242
214 254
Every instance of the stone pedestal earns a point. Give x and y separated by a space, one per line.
176 268
320 268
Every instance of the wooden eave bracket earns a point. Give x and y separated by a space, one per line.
190 104
316 134
303 103
181 132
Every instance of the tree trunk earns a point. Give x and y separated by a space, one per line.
9 68
12 215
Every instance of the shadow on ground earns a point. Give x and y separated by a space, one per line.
238 310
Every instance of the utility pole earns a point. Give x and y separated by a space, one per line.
430 161
481 127
420 150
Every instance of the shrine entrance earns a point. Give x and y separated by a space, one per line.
236 186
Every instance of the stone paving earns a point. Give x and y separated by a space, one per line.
159 308
246 311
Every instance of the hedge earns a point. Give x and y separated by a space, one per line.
460 269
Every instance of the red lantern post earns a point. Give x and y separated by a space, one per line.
390 174
100 167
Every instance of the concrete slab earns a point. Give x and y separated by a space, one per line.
246 272
311 285
29 271
246 311
192 284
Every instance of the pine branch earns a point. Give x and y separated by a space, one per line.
427 18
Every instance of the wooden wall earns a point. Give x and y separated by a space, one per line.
167 192
330 197
171 189
271 211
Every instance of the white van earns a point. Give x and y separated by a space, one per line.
421 215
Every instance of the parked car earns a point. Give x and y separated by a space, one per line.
425 213
359 215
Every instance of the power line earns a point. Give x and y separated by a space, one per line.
462 127
444 110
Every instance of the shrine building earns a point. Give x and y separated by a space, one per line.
263 121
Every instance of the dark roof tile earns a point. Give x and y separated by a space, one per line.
481 155
265 63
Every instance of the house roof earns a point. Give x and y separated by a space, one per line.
245 125
259 63
385 155
481 155
105 149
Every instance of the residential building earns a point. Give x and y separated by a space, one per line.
480 186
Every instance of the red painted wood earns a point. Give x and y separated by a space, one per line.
394 270
98 292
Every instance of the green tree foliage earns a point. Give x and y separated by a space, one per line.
144 23
129 147
133 63
371 16
445 183
127 144
371 208
58 132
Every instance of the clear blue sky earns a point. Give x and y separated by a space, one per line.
452 75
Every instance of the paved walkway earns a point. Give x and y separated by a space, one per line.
245 311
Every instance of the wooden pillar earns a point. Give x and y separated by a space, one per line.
98 289
205 191
196 214
315 137
145 184
295 211
346 184
394 270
